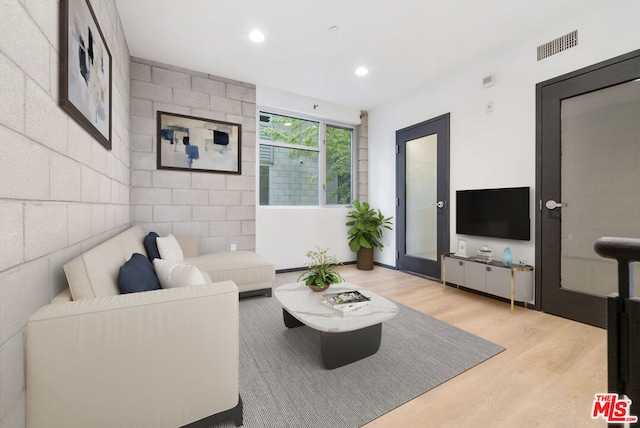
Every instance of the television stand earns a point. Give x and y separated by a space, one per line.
514 283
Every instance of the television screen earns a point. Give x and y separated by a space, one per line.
496 213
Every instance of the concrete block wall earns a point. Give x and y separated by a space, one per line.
61 192
363 158
293 178
217 208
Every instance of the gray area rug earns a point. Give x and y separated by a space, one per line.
284 384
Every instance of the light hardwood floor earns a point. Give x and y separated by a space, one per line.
547 376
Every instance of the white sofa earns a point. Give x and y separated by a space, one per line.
95 273
253 274
162 358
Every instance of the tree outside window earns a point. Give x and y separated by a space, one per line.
290 161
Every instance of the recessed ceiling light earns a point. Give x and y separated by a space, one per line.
362 71
256 36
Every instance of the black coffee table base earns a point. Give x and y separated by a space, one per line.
339 349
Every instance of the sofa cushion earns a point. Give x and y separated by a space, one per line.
151 246
137 275
95 272
172 274
247 269
169 248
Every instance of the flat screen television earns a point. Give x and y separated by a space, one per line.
496 213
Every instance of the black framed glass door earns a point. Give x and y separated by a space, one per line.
587 173
422 212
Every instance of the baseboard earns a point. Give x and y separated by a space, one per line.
303 268
298 269
384 266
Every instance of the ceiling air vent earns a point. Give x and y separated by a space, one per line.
488 81
558 45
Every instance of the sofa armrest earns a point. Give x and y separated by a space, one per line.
161 358
189 245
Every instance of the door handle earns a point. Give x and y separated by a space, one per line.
552 205
439 204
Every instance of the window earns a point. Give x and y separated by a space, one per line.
296 169
338 165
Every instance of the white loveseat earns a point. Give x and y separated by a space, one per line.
162 358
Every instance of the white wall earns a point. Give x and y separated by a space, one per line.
285 234
494 149
293 103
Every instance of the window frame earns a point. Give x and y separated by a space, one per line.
321 149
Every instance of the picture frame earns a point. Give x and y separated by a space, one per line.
190 143
85 70
462 248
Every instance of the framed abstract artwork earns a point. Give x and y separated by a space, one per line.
196 144
85 70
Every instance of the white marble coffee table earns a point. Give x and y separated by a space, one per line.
344 339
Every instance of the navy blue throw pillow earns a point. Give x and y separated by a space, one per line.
151 246
137 275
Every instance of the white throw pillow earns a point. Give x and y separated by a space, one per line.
169 248
173 274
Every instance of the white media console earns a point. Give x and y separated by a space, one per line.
513 282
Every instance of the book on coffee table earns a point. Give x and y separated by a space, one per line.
345 298
346 302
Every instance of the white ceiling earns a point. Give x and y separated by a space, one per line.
402 42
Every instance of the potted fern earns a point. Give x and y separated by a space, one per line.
365 232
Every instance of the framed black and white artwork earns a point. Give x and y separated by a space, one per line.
196 144
85 70
462 248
